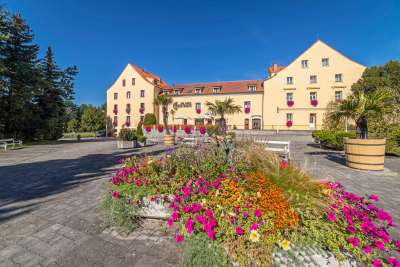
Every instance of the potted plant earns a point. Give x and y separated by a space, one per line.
222 108
127 138
141 139
163 101
363 152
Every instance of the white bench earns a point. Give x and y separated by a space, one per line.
9 142
280 147
190 141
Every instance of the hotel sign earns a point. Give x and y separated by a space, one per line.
177 105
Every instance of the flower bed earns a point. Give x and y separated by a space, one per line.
249 205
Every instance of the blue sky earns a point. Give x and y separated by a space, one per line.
201 40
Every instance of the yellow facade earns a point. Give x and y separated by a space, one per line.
277 87
333 74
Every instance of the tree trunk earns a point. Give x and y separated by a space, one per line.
165 119
362 128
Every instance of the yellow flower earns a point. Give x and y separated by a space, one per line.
258 194
326 191
149 161
284 244
203 202
254 236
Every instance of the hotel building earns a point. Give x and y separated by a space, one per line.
292 97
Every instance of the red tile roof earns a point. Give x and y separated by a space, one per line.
148 76
274 69
226 87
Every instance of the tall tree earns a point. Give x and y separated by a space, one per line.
19 78
222 108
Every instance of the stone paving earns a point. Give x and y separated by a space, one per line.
49 210
50 194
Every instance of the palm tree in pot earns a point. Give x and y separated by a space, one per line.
363 152
164 101
222 108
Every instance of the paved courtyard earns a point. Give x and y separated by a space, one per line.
50 194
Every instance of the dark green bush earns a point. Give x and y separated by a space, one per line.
126 134
149 119
332 139
212 130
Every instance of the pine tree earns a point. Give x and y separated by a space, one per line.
19 78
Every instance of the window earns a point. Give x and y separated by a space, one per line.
338 95
338 77
198 106
313 78
115 123
197 90
252 87
142 105
141 93
289 117
313 96
128 94
123 82
115 107
304 64
141 119
289 96
216 90
177 91
128 108
155 81
133 81
128 120
115 96
289 80
325 62
247 104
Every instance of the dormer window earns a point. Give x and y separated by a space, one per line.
304 63
198 90
252 87
217 90
178 91
165 92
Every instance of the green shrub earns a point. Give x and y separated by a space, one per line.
149 119
139 129
199 251
332 139
126 134
142 138
83 135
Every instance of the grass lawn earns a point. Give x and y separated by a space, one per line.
83 135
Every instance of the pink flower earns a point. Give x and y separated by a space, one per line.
397 244
331 216
376 263
239 230
354 241
367 249
186 209
394 262
245 215
379 245
257 213
351 229
374 197
211 234
115 194
209 213
179 238
189 225
283 163
175 216
200 219
254 226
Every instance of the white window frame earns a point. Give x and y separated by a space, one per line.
338 75
304 64
197 90
311 79
128 94
252 87
197 105
142 94
340 93
115 96
216 89
289 80
133 81
313 96
247 104
289 98
289 117
325 62
123 82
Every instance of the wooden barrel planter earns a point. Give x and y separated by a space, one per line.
169 140
365 154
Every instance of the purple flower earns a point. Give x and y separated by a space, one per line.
254 226
257 213
374 197
331 216
367 249
379 245
376 263
354 241
239 230
179 238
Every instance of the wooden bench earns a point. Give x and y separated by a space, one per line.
9 142
279 147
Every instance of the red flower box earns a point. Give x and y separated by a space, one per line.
289 123
141 110
290 103
160 128
314 102
202 130
174 129
188 130
148 128
246 110
198 111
